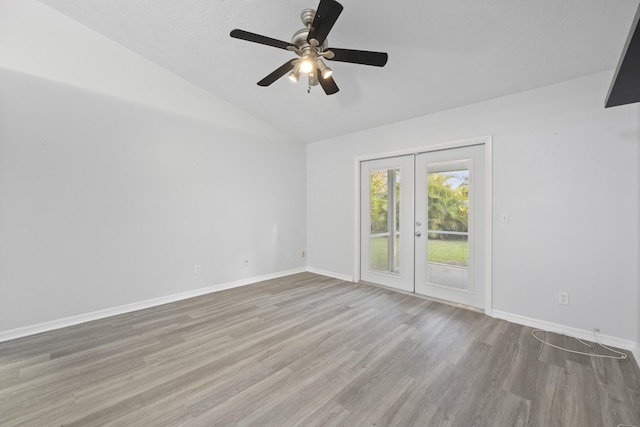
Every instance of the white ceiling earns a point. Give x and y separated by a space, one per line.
442 53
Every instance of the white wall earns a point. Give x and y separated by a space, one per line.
566 171
38 40
107 200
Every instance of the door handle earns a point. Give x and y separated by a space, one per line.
418 233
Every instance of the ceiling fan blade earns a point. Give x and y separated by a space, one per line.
281 71
326 15
364 57
329 85
257 38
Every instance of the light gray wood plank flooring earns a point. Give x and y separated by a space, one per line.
307 350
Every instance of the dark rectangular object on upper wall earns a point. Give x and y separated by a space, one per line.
625 87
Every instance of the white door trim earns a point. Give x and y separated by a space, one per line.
487 141
488 246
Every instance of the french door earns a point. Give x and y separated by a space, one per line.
386 217
422 224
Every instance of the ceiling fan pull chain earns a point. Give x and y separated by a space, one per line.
309 89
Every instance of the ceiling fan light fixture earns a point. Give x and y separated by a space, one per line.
306 65
294 75
325 72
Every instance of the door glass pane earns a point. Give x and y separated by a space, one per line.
384 202
448 224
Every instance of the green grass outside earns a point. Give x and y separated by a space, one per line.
455 252
379 254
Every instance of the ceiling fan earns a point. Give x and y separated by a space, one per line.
310 44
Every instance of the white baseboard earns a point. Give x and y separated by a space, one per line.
569 331
339 276
127 308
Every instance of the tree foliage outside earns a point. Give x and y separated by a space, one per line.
448 206
379 200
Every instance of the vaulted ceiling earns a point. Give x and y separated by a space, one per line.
442 53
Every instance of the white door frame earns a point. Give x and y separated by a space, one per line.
488 247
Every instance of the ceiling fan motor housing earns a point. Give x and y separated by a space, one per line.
299 39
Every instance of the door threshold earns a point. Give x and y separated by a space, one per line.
428 298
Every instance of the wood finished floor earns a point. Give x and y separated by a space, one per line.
307 350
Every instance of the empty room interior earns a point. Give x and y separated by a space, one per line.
424 214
